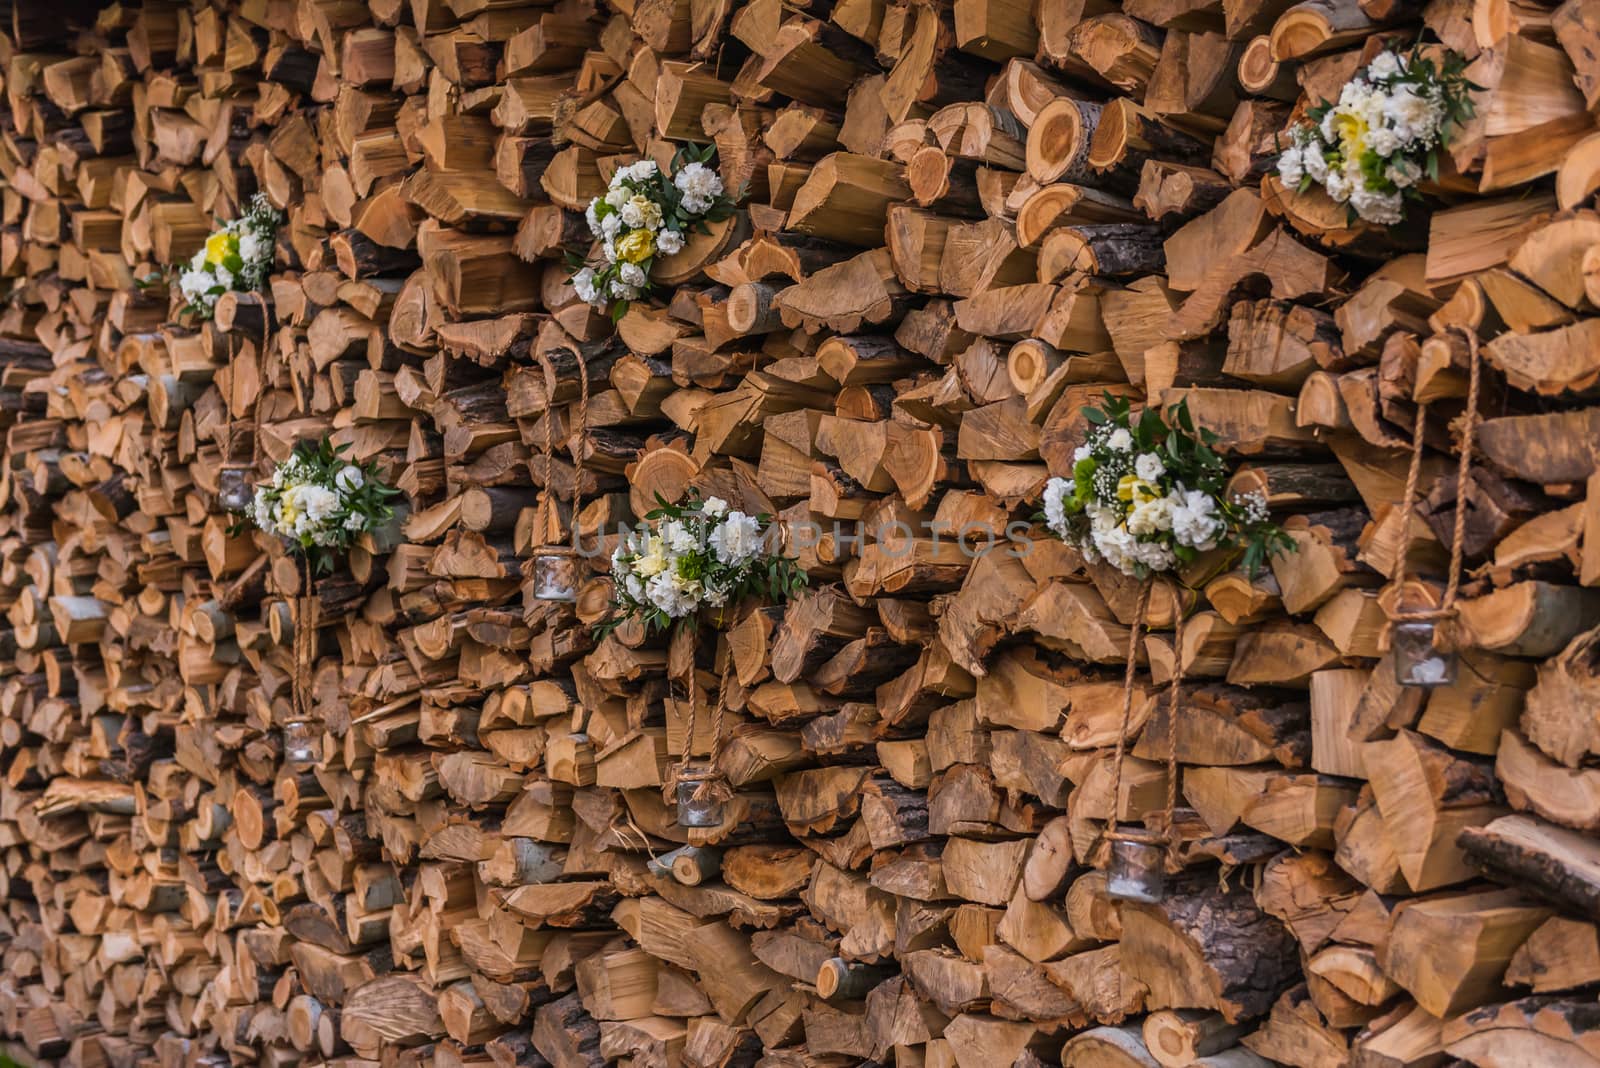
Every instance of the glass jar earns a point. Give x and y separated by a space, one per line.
1418 661
557 572
1138 870
235 492
302 741
704 810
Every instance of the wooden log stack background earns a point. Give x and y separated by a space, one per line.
961 223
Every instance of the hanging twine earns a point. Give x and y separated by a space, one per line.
713 785
547 506
1112 830
582 418
307 610
1139 612
1469 427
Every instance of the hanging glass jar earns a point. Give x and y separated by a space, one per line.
235 492
1418 660
1138 867
557 573
301 741
697 807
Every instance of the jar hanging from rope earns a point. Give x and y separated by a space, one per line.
1137 870
699 787
1419 662
698 805
236 486
1421 643
1136 858
558 568
301 739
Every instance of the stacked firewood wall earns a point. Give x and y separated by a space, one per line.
962 223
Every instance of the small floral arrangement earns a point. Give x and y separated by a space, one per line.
318 502
694 554
1146 496
1371 148
236 257
646 213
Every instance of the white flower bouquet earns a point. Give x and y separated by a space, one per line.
318 502
237 256
646 214
1371 148
700 553
1148 495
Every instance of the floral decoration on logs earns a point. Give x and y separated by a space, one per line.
1369 149
700 553
1147 495
319 502
237 257
644 214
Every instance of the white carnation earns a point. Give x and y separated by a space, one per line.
678 538
1291 166
193 283
641 212
652 560
632 274
1337 185
583 283
349 479
592 217
1376 207
675 597
1384 66
700 187
669 242
355 521
737 539
1412 116
1195 522
1383 141
1120 440
1149 466
1151 517
610 226
249 247
1055 505
715 507
1403 172
642 171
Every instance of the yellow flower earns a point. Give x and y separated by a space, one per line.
219 246
636 246
1352 132
1135 489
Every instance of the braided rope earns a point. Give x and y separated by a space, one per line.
1458 532
1127 707
1172 722
549 500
